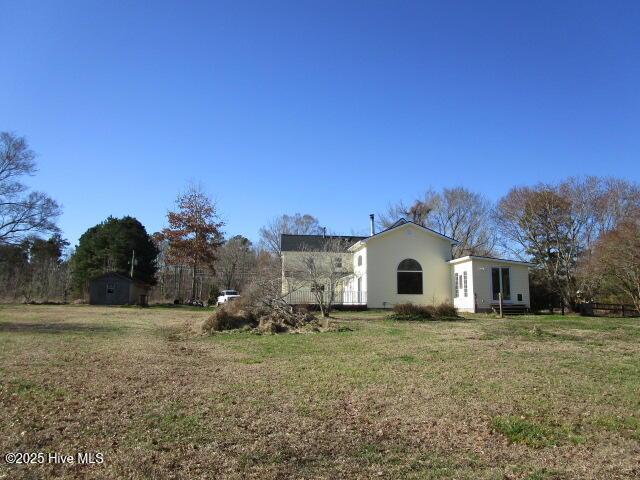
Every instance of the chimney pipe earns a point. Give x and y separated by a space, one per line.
324 232
373 226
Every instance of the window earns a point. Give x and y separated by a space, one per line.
359 260
338 262
456 294
409 277
519 297
111 288
466 290
500 282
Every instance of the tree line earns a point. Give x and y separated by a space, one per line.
582 234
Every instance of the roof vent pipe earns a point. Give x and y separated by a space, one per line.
324 232
373 225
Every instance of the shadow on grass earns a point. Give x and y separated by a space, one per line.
58 328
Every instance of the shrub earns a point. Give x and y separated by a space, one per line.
410 311
445 310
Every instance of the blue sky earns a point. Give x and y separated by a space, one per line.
330 108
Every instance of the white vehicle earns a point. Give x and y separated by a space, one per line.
227 296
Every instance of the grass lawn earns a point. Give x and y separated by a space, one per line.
530 397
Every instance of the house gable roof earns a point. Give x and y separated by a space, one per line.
403 223
299 243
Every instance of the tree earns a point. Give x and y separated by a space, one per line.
22 213
455 212
296 224
194 232
236 260
616 262
556 226
539 223
47 275
110 246
418 212
35 269
44 250
322 270
264 290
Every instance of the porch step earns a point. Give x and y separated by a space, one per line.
510 308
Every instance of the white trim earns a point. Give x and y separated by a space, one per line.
360 243
468 258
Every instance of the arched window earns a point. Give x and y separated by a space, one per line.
359 260
409 277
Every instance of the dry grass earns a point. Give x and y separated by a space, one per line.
536 398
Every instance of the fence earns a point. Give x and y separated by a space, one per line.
609 309
341 297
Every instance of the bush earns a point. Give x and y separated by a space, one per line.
445 310
410 311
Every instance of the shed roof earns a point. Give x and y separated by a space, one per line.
120 276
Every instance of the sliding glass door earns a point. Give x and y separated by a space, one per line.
500 282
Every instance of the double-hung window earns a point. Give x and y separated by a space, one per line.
466 289
457 289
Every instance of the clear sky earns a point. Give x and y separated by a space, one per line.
330 108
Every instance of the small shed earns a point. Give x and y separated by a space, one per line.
113 288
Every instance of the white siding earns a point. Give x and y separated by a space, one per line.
519 279
384 253
291 261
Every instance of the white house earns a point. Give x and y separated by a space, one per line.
411 263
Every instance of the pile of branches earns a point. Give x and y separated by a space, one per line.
239 315
264 309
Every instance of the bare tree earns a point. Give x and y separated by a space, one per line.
22 213
35 270
455 212
418 212
236 259
465 216
265 288
298 224
556 226
616 262
323 271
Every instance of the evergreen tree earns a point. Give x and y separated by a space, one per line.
110 246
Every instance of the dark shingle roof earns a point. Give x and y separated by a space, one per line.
297 243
